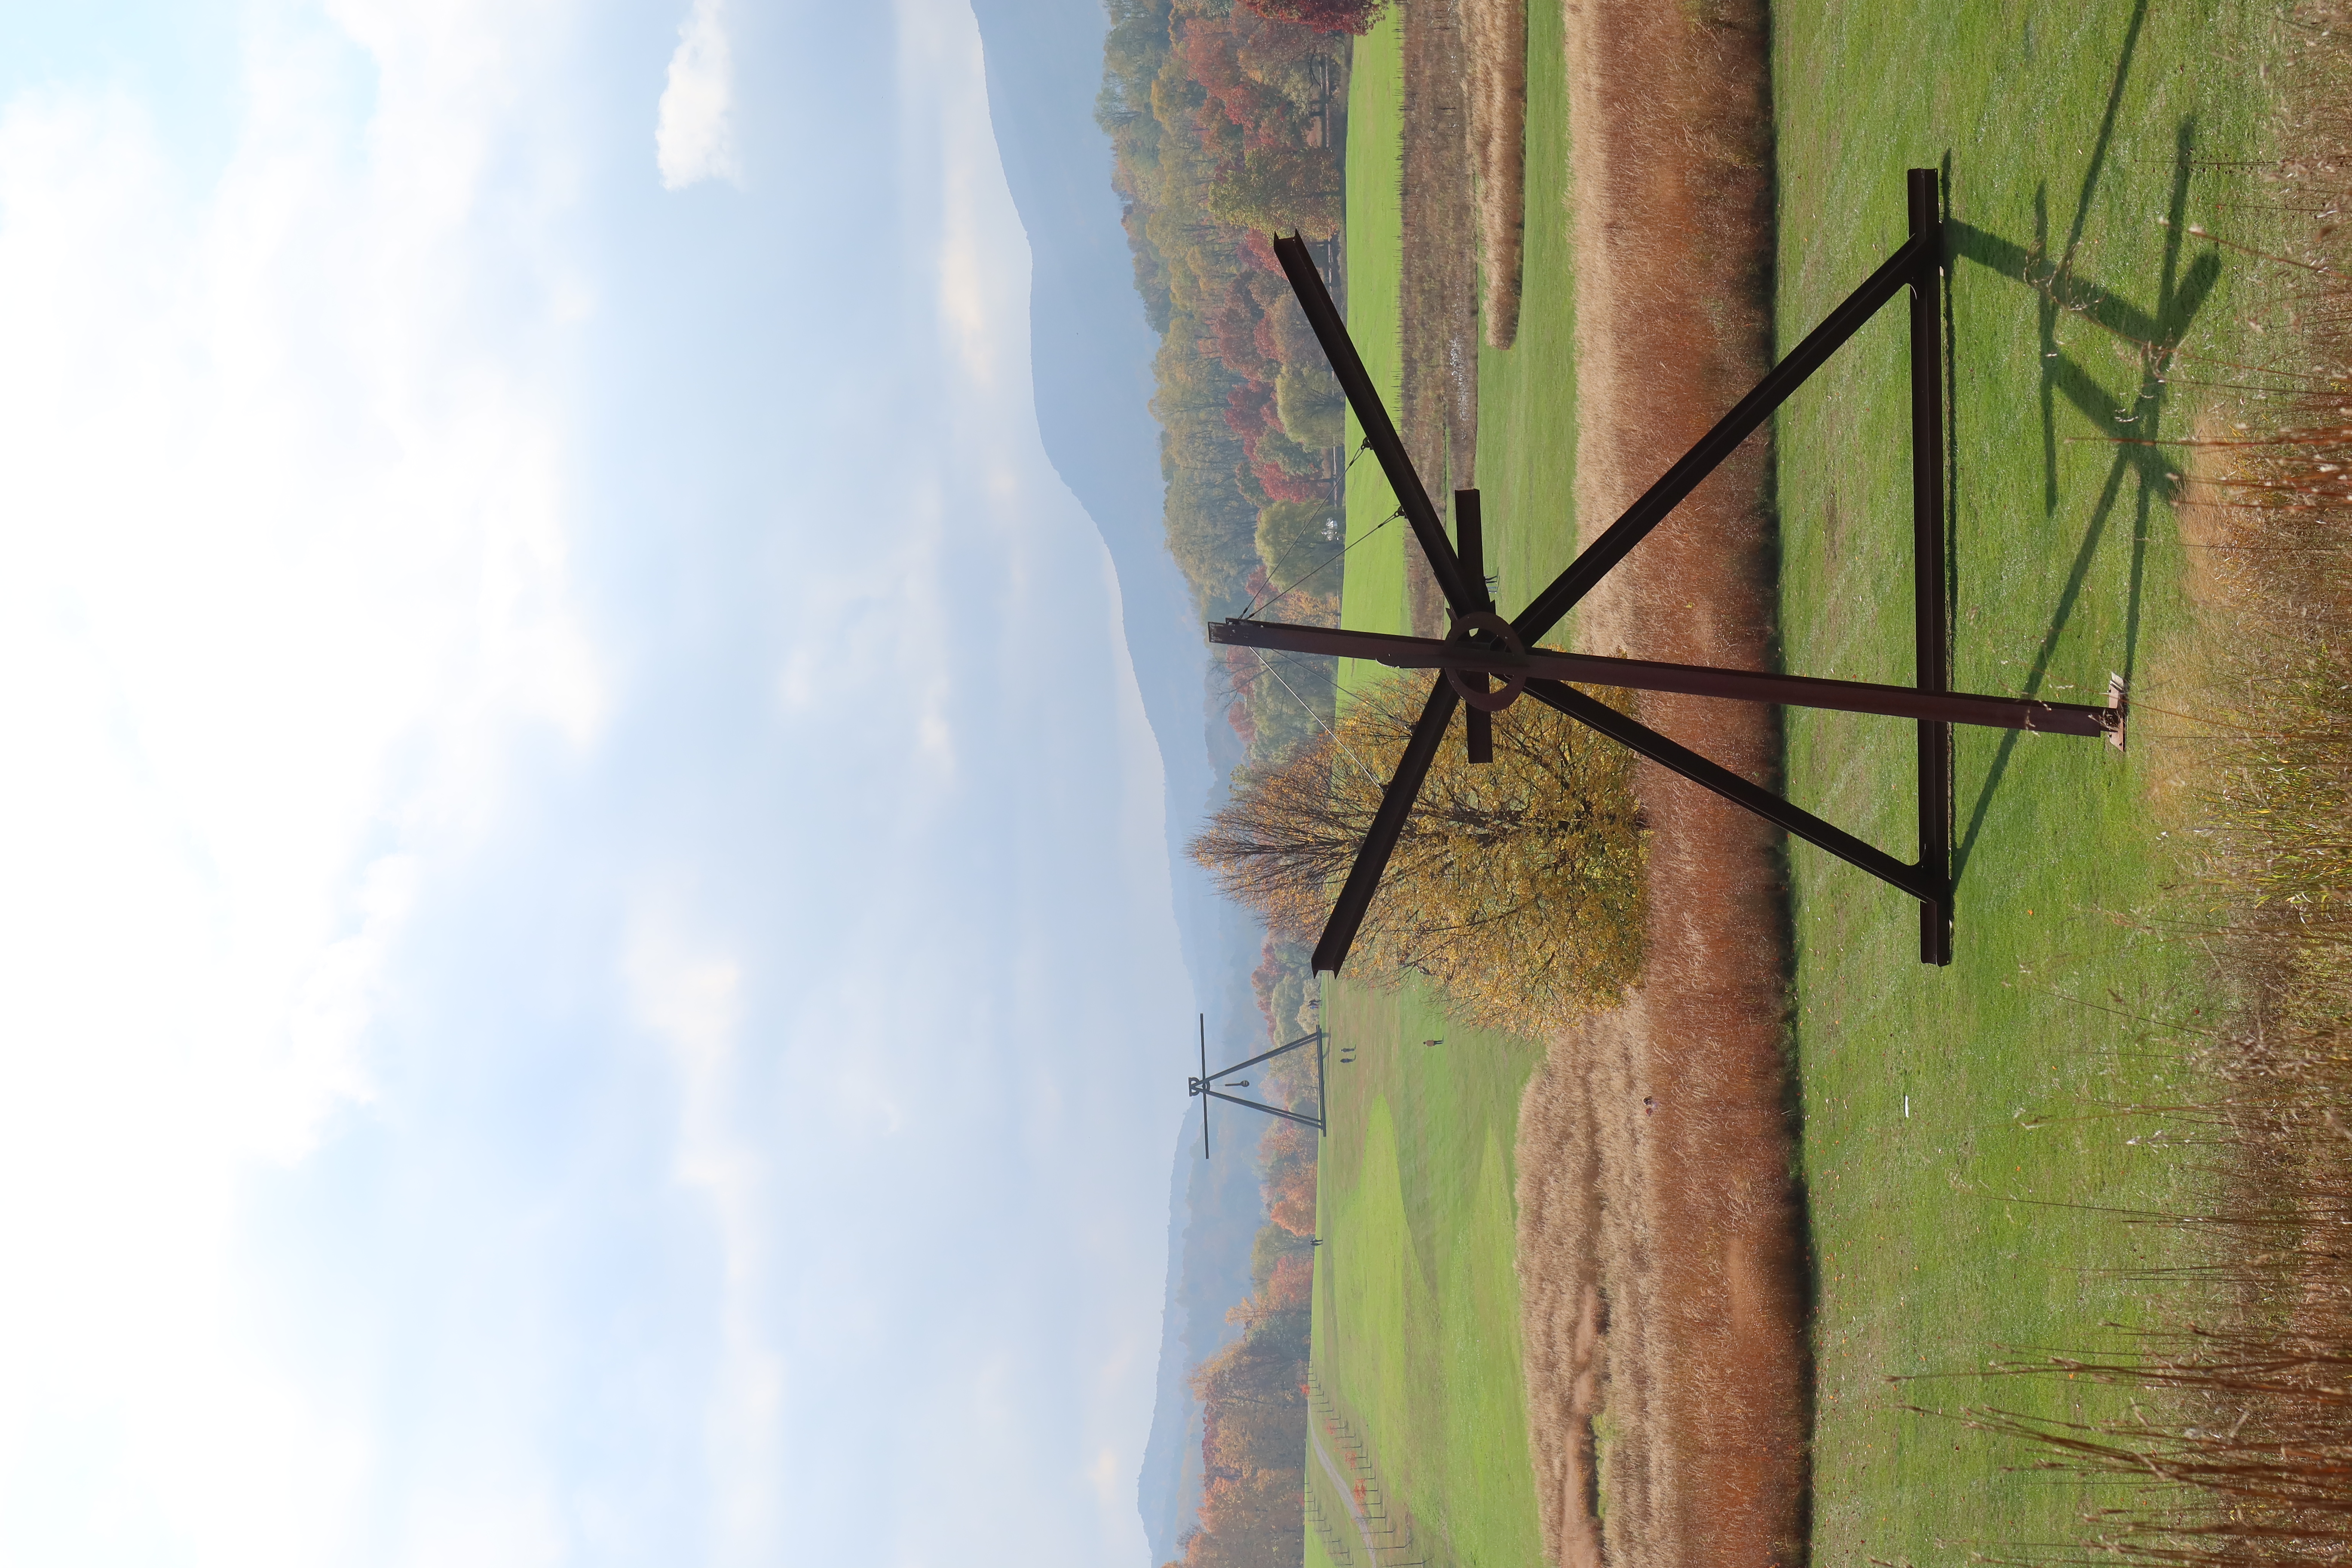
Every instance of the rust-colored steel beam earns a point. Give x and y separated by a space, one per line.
1931 626
1796 820
1388 825
1584 573
1470 543
1380 431
1688 679
1484 646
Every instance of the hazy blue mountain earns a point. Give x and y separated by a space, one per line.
1215 1207
1091 355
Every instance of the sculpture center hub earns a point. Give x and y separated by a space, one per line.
1475 691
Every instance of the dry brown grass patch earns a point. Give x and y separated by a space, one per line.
1674 1104
1495 36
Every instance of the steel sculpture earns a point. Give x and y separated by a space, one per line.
1482 644
1204 1088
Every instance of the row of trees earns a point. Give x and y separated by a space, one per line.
1222 118
1254 1392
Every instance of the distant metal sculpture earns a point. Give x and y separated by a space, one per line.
1204 1087
1482 644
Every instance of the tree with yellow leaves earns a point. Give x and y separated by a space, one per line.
1517 885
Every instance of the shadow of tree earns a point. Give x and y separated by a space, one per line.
2152 333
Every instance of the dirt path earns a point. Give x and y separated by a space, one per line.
1346 1488
1660 1244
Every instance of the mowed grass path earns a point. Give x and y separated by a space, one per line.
1965 1230
1374 595
1526 394
1527 430
1416 1303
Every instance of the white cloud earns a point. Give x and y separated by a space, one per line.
282 568
690 996
980 256
694 139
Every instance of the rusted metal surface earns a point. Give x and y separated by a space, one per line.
1688 679
1583 574
1931 623
1380 430
1388 825
1470 543
1639 737
1477 634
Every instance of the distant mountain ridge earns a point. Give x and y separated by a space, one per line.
1091 352
1091 355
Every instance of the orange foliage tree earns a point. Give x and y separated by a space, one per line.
1254 1431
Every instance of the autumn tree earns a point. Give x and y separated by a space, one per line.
1515 886
1289 1164
1281 188
1355 17
1211 111
1254 1431
1309 402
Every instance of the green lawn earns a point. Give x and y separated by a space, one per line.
1374 591
1527 431
1526 395
1416 1302
2065 132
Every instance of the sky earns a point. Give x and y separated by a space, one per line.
588 974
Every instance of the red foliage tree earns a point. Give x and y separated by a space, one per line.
1282 468
1250 412
1291 1287
1234 330
1290 1199
1355 17
1213 53
1255 248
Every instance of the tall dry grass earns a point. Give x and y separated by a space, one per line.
1437 292
2238 1449
1495 38
1670 210
1681 1262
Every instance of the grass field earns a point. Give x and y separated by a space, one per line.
1416 1305
2067 135
1374 594
1527 432
1954 1176
1526 394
